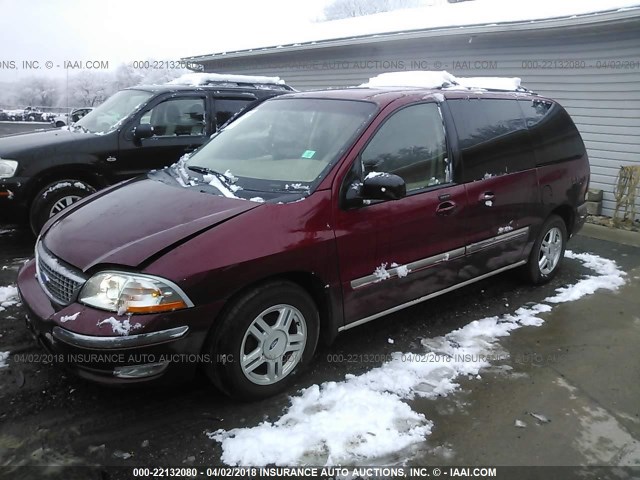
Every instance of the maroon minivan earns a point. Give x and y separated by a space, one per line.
311 214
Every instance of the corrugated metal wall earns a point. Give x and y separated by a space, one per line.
582 67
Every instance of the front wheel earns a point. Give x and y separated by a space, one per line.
547 252
54 198
263 341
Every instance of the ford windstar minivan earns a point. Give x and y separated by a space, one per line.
311 214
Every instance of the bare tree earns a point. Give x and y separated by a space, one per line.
40 91
356 8
88 89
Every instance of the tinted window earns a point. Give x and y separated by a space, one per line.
410 144
556 137
177 116
492 137
227 108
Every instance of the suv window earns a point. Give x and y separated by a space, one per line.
553 131
412 145
177 116
492 136
227 108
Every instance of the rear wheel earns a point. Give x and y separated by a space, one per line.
263 341
548 251
54 198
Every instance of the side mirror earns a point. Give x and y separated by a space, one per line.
383 186
144 130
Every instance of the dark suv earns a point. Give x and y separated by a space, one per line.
312 214
134 131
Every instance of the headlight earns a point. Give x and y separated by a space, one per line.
132 293
7 168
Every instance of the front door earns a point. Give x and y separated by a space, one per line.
393 252
180 126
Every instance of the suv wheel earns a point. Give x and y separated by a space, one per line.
548 251
54 198
263 341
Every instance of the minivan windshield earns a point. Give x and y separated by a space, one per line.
283 144
109 115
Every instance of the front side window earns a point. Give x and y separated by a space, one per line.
177 116
110 115
284 144
412 145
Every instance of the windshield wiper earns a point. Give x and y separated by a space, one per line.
208 171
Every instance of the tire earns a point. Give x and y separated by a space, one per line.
53 198
60 124
547 252
255 314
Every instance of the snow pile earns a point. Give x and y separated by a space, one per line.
69 318
510 84
8 297
4 357
608 277
196 79
214 181
381 273
455 15
419 79
120 327
401 270
442 79
366 417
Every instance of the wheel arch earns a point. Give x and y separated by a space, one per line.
329 303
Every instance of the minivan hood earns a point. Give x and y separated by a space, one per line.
136 221
27 145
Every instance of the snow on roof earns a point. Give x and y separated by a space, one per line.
196 79
443 79
463 14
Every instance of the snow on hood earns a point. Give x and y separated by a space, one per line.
196 79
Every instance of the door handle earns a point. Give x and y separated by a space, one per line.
486 196
446 208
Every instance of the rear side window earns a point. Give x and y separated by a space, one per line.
412 145
555 136
492 137
227 108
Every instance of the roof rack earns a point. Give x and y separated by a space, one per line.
443 80
231 81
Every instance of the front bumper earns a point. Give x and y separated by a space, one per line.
13 200
167 349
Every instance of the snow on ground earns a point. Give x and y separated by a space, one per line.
8 297
4 357
365 417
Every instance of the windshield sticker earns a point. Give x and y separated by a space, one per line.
308 153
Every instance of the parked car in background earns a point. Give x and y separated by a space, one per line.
313 213
72 117
134 131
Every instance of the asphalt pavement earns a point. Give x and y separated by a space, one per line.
566 394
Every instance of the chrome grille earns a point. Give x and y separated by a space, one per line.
60 282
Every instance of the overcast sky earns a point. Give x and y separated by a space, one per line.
126 30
